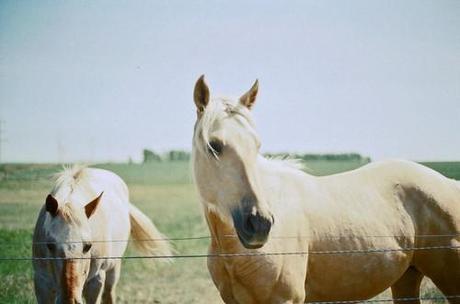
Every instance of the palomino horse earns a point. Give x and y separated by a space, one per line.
274 207
78 223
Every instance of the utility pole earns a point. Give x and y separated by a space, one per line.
2 139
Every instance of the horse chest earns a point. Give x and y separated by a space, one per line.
244 279
253 279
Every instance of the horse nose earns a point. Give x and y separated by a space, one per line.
257 225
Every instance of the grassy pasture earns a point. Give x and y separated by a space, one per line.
163 191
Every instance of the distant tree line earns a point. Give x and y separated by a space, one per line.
173 155
326 156
150 156
181 155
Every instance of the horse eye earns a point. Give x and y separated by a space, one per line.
86 248
51 246
215 147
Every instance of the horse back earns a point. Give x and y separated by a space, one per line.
382 197
430 199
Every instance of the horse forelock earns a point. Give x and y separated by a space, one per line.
69 189
70 214
217 110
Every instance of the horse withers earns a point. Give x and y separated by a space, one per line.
86 217
377 219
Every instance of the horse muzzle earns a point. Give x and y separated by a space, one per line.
252 228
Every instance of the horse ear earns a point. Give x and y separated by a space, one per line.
91 206
201 94
51 205
249 98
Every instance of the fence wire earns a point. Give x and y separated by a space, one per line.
239 254
258 254
206 237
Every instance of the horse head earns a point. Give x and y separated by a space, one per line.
225 152
69 241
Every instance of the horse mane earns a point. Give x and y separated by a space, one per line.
69 177
287 162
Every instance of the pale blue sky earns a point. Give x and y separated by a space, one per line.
100 80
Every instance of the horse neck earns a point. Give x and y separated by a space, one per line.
277 174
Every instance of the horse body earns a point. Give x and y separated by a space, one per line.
384 205
66 228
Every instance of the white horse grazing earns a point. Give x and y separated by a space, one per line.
274 207
87 209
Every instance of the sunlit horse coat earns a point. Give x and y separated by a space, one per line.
273 207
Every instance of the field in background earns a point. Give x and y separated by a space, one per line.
164 191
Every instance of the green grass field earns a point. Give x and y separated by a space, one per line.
164 191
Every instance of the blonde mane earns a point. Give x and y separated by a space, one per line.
67 181
287 162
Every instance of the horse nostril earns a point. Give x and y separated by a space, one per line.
250 226
257 224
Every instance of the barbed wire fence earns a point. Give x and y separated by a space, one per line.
239 254
261 253
206 237
246 253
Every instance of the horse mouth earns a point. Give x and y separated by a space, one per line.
250 244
